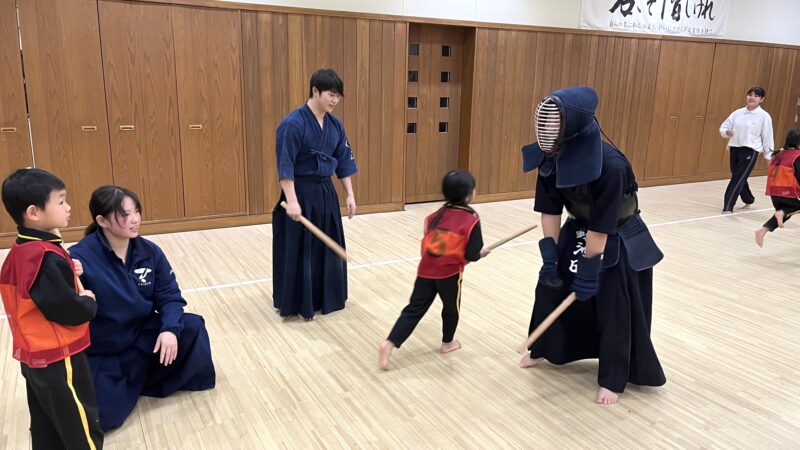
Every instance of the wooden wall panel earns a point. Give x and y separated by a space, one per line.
737 68
783 91
414 90
272 103
66 97
514 69
495 121
373 139
633 133
139 63
14 138
209 77
237 73
369 55
398 123
433 153
385 119
679 109
253 127
467 99
508 163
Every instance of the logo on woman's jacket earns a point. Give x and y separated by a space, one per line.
143 272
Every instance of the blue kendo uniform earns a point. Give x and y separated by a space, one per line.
136 301
307 276
595 183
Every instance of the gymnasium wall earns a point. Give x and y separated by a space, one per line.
179 100
759 21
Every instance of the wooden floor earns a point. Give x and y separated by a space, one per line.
725 327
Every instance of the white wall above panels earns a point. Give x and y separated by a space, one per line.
772 21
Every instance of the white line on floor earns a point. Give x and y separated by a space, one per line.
417 258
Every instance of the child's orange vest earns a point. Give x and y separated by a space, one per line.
781 179
37 341
444 246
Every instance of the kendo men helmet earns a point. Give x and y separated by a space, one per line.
568 137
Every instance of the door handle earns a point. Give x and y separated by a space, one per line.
89 128
126 128
8 130
195 127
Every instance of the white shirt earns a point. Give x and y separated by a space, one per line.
750 129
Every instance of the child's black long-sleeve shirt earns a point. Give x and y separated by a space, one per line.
53 290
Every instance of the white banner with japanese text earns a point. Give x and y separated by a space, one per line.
698 18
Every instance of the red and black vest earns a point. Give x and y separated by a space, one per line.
37 341
781 179
444 246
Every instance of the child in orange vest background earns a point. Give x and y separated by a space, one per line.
783 184
49 315
452 239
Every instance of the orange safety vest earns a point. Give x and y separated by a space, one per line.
443 247
781 179
37 341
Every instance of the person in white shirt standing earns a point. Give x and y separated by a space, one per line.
749 132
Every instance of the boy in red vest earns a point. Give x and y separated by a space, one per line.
49 315
783 184
452 239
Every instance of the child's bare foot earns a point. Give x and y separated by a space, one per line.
384 352
527 361
306 319
452 346
779 217
760 233
606 397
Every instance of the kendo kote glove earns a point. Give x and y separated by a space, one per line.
548 274
587 280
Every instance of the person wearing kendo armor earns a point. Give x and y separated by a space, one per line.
603 252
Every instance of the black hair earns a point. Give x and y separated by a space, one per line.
107 200
792 138
325 80
26 187
457 186
792 142
757 90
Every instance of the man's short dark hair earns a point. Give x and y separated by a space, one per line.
26 187
757 90
326 80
